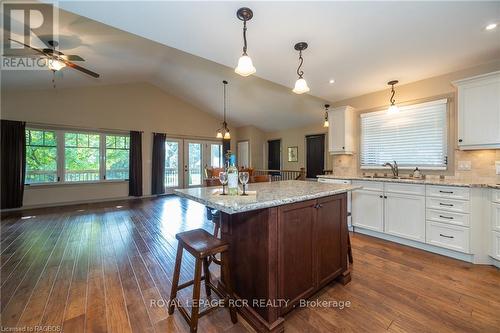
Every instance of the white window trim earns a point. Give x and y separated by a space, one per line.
60 146
404 108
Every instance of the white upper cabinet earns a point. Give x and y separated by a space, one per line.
340 132
479 112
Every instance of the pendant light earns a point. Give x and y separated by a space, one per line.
245 66
326 122
393 108
301 84
223 132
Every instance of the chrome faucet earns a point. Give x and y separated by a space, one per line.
394 168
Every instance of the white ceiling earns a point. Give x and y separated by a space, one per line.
361 45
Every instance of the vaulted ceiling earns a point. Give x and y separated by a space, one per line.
187 48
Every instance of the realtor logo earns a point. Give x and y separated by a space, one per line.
28 28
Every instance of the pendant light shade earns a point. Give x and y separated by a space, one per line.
326 123
223 132
301 84
393 108
245 65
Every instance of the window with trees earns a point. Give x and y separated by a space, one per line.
70 156
41 156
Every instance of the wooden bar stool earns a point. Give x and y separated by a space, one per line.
201 245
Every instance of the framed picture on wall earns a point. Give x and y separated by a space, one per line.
293 154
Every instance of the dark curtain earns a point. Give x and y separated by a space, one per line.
226 146
135 165
158 171
13 164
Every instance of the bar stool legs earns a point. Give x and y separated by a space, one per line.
215 245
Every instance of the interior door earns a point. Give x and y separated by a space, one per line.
174 175
315 151
274 154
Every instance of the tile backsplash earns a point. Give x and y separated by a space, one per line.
482 164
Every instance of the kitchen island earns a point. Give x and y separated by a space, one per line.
287 240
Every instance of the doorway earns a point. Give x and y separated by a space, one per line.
274 154
186 159
315 155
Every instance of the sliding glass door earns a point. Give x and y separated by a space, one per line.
186 160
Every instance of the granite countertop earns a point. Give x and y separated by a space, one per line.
263 195
487 182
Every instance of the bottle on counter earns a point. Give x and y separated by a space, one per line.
416 173
232 176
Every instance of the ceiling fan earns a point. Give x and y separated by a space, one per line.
56 59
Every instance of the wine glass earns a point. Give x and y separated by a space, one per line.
243 176
223 180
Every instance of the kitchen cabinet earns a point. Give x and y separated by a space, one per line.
368 209
479 112
405 216
395 209
495 224
340 131
312 251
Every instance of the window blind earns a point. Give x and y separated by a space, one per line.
414 137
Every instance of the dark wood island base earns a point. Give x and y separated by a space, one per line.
281 255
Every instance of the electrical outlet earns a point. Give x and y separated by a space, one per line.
464 165
497 167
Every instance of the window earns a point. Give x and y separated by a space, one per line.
69 156
216 155
81 157
41 156
414 137
117 156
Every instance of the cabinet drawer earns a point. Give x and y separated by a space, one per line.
405 188
495 245
447 217
369 185
448 205
448 236
495 196
495 216
450 192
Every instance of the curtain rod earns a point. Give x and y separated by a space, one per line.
28 123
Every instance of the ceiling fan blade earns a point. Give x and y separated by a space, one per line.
81 69
53 52
72 57
30 47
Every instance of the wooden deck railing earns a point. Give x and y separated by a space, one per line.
277 175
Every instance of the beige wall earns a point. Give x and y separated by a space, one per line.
483 162
256 140
297 137
137 106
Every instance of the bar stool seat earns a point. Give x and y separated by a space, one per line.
200 243
202 246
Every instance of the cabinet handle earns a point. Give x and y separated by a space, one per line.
447 205
381 196
446 236
460 140
385 196
446 217
447 192
318 206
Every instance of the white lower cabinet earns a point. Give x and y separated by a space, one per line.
495 245
448 236
405 216
368 210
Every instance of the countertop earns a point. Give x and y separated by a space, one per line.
264 195
487 182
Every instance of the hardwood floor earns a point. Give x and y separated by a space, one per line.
108 267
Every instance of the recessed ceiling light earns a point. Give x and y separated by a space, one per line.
491 26
331 81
